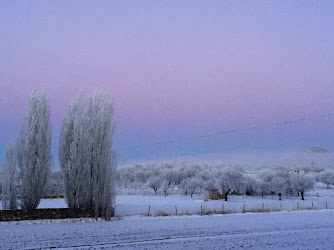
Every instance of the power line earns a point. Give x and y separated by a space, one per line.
221 132
218 133
226 132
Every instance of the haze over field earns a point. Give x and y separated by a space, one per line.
257 159
191 78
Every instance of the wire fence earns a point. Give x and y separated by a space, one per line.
220 207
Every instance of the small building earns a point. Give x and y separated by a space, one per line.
213 194
299 171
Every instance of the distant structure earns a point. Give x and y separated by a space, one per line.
213 194
299 171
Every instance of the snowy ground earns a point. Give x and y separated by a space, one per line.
320 198
285 230
139 205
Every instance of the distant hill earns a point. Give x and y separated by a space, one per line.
316 149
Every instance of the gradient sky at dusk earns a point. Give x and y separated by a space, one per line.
177 70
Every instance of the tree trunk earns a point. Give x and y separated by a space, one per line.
280 196
226 196
302 194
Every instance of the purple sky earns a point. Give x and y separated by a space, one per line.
176 69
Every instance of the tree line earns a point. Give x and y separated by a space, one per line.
194 178
188 179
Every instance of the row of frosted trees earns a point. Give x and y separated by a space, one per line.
194 178
85 154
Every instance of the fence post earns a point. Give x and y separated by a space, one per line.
326 205
148 212
175 210
312 203
201 209
244 208
297 205
263 206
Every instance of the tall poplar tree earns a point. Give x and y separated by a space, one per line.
34 154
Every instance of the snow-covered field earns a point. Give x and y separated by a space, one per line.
285 230
127 205
288 229
140 205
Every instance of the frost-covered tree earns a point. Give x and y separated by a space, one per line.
262 187
85 153
9 192
125 176
238 179
165 186
266 183
211 179
281 183
70 151
189 171
224 185
141 174
326 177
155 183
229 180
184 185
34 154
193 185
250 185
275 182
170 176
302 183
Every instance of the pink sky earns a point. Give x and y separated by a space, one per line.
175 68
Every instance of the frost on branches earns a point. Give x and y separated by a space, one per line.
9 192
85 153
34 151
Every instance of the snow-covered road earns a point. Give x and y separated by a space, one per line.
287 230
